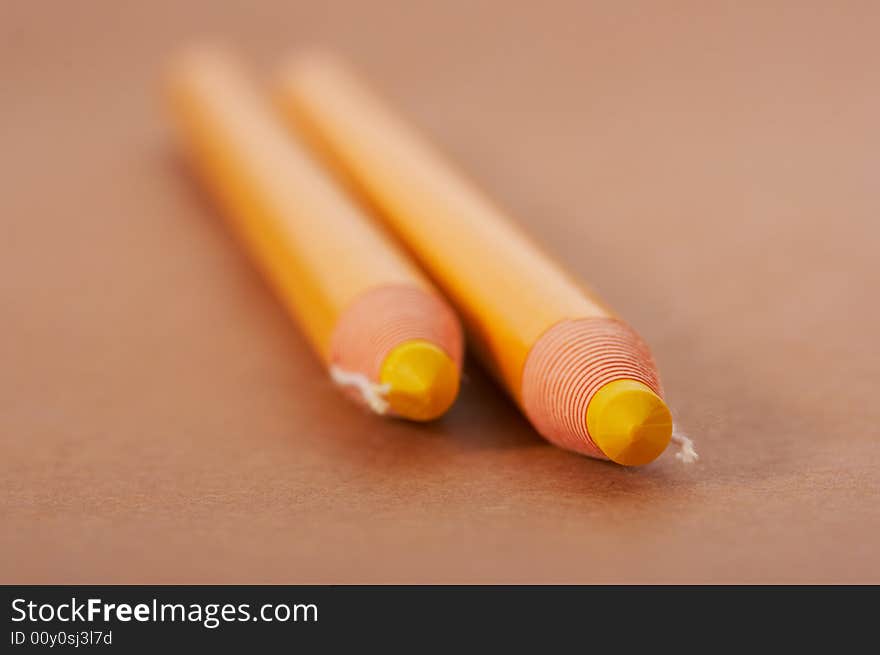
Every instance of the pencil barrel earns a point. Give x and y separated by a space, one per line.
585 380
369 313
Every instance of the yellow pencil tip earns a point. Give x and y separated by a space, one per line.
423 380
630 423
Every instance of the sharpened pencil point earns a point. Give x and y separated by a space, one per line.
630 423
423 380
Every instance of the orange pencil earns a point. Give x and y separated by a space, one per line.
379 325
583 377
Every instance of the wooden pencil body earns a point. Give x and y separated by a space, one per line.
552 343
333 268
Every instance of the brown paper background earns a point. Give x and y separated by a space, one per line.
710 168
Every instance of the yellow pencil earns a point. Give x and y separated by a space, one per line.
379 325
582 376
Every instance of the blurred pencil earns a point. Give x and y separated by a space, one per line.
380 327
582 376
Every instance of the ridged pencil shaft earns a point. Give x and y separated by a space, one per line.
583 377
366 309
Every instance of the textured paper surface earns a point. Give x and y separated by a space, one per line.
712 172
